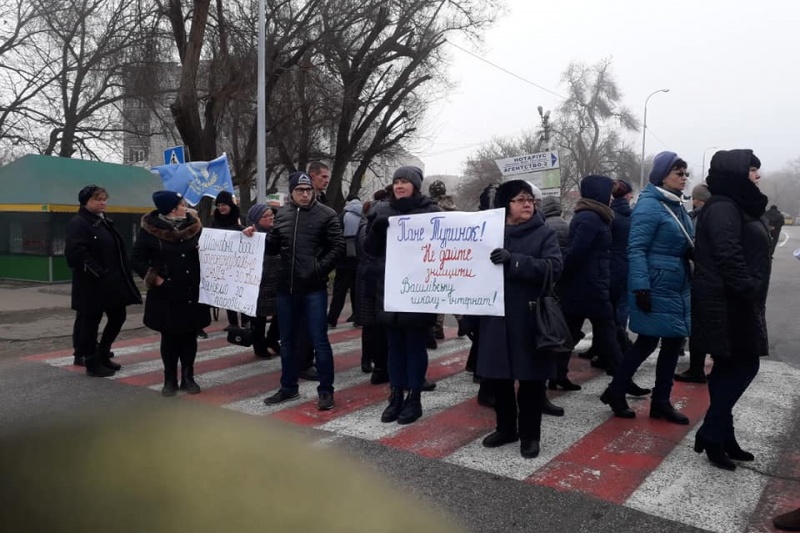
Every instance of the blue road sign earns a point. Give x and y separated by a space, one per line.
174 156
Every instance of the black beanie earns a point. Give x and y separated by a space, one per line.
224 197
508 190
86 194
166 201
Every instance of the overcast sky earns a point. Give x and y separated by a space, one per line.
732 67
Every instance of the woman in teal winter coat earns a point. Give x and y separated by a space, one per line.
659 248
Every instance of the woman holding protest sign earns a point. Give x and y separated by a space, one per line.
166 256
262 217
530 256
407 333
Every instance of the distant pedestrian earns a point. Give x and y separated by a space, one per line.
345 277
620 232
659 247
166 256
729 293
551 210
102 282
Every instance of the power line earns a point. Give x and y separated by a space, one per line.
476 56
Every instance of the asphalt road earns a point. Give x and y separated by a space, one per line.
32 393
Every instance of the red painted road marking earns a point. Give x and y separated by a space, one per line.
780 495
354 398
611 462
445 432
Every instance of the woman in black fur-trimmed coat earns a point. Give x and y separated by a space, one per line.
166 256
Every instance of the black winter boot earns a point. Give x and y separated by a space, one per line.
395 405
187 380
412 408
618 404
96 369
105 358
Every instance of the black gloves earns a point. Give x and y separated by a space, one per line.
380 224
643 300
500 256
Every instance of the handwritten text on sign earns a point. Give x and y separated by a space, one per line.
230 269
439 263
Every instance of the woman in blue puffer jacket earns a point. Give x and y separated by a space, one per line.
659 246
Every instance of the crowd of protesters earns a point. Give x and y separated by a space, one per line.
653 269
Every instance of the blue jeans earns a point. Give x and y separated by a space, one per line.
665 366
311 310
728 380
408 357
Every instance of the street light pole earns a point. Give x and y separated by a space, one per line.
644 134
261 122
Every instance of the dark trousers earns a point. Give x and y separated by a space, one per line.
521 412
728 380
665 366
408 357
233 318
604 339
308 310
178 346
344 281
87 325
375 347
264 338
303 348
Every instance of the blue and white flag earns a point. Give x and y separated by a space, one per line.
197 178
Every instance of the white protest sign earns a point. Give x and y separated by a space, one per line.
230 269
439 263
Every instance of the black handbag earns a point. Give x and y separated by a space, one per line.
552 333
240 336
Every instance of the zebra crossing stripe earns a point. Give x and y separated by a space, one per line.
644 464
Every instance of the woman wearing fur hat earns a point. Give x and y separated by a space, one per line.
505 354
729 293
660 243
166 256
266 342
226 216
406 332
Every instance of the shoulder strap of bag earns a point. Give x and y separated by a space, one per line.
680 224
547 284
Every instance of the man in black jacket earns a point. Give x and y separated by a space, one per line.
308 237
101 281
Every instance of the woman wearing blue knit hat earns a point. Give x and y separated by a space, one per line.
166 256
659 245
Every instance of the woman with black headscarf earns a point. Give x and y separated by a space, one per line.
729 293
529 256
226 215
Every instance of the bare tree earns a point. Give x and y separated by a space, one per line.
590 125
384 60
79 58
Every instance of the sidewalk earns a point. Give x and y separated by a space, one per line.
29 312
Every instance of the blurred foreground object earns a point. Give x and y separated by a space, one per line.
186 469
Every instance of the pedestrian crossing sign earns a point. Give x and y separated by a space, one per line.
174 156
